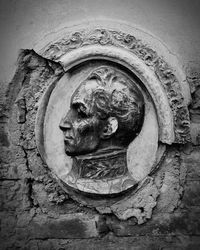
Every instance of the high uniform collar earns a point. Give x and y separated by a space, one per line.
104 164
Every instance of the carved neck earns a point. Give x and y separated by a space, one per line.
107 163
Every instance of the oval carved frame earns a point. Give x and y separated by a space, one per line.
158 78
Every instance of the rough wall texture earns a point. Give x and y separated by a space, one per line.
37 214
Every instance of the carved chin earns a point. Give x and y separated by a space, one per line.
71 151
69 148
81 145
74 151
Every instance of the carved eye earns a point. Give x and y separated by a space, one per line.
81 113
80 110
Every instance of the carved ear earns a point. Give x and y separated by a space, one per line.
110 128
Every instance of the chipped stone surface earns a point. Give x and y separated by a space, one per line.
193 77
138 205
37 214
170 180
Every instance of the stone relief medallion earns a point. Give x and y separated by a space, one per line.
103 127
94 133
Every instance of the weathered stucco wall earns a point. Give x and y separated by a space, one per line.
35 212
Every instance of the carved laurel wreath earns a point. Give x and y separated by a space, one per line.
165 74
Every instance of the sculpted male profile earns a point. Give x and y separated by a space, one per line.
105 115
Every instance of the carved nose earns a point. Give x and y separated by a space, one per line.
64 125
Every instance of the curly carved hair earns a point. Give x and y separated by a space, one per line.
118 96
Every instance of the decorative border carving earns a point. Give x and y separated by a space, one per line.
164 73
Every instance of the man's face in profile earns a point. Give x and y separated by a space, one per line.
81 125
105 111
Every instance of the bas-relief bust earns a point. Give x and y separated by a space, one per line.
110 144
106 113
